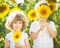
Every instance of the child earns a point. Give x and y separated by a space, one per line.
17 21
42 32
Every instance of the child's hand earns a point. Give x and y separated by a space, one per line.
17 45
42 26
46 23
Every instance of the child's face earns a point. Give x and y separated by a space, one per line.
17 25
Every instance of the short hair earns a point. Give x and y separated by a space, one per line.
40 3
14 16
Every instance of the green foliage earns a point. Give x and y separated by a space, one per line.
28 5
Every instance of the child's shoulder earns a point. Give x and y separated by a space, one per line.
9 34
35 22
24 34
51 22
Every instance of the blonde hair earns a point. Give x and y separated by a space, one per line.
12 16
40 3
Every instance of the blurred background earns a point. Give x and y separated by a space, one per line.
7 6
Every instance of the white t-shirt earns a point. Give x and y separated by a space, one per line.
21 41
44 40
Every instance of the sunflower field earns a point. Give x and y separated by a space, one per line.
8 6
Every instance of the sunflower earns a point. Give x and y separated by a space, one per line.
44 11
32 15
4 9
16 36
49 1
15 9
52 6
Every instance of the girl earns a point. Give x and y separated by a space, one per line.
42 32
17 21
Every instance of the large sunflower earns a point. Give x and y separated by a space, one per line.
16 36
52 6
32 15
4 9
44 11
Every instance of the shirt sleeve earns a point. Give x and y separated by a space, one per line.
25 35
52 25
7 36
34 27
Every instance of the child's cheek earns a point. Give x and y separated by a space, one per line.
20 26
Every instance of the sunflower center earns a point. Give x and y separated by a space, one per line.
44 12
33 14
17 36
2 8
